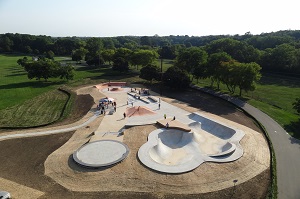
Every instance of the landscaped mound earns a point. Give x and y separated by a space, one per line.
139 111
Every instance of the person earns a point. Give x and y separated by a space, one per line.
165 116
159 106
131 103
115 108
124 114
167 125
174 118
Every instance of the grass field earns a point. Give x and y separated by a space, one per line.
41 110
274 95
25 102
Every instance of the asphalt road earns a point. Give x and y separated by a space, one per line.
287 149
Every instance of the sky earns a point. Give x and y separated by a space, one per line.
109 18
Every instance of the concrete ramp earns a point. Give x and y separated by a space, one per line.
177 151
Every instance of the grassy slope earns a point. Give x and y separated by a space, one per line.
41 110
15 87
25 102
274 95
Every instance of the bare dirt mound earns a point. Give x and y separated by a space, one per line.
139 111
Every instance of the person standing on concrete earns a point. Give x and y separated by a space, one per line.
167 125
165 116
115 108
132 104
159 106
174 118
124 114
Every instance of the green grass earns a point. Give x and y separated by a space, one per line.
167 63
25 102
15 87
274 95
41 110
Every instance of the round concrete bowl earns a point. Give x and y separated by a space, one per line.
170 151
101 153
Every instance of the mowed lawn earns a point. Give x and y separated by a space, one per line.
41 110
15 87
273 95
27 103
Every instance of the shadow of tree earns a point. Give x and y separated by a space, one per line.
32 84
294 127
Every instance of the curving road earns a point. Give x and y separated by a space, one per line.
287 148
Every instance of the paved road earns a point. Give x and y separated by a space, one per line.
287 149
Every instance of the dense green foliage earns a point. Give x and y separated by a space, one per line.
276 52
150 72
46 68
177 78
296 105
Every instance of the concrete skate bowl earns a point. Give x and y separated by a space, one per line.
101 153
138 111
176 151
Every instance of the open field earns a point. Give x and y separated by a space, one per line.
274 95
28 103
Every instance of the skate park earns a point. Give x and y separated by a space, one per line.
130 174
183 145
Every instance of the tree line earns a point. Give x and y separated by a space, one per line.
276 52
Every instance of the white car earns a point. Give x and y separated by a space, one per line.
4 195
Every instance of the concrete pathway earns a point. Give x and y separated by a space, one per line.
287 148
49 132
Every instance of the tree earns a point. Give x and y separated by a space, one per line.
79 54
47 68
240 51
214 64
150 72
94 47
108 55
143 57
66 72
296 105
22 61
177 78
49 54
167 52
123 53
242 75
191 58
120 64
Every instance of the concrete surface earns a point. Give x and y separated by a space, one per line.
101 153
176 151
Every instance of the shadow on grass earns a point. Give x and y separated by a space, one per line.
32 84
294 127
16 74
279 80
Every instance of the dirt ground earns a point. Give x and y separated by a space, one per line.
28 168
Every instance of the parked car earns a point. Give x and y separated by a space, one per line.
4 195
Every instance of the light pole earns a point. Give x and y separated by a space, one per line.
161 75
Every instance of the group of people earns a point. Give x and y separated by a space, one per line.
103 105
